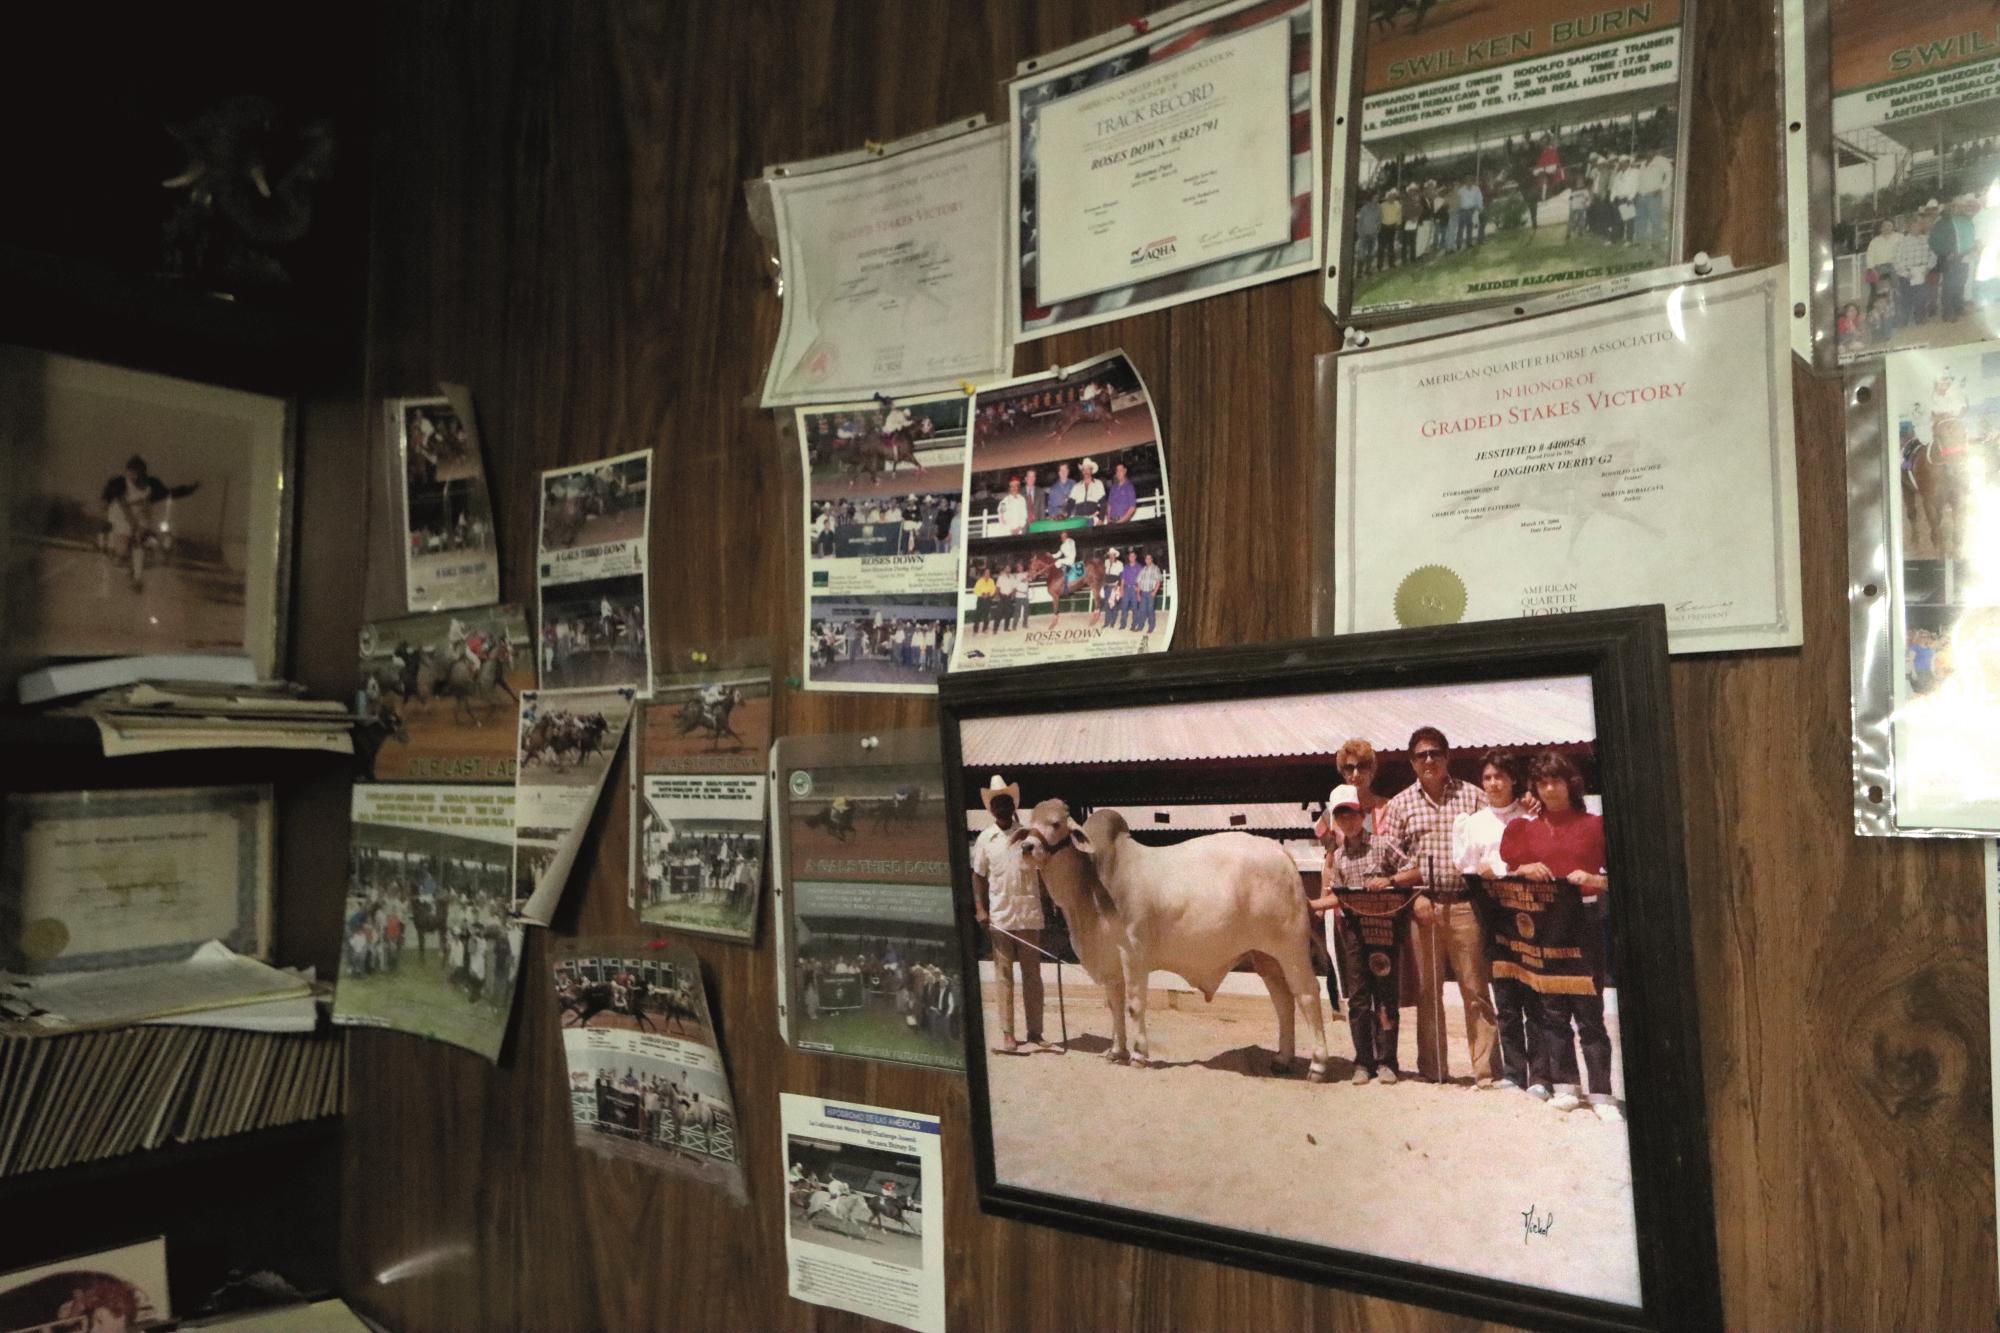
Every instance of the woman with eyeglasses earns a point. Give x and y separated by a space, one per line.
1356 761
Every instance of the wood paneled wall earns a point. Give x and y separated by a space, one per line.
559 223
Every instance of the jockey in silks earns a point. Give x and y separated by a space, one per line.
712 697
476 645
894 418
1066 561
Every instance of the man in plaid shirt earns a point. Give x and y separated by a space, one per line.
1443 925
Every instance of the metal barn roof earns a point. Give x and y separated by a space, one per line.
1472 716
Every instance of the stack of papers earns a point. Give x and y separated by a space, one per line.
154 717
194 991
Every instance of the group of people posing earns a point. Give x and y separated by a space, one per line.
469 931
1934 263
924 993
1028 500
1619 197
706 865
915 645
1444 846
920 524
1127 598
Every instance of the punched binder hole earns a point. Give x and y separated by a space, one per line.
1875 795
1863 394
1870 590
1799 310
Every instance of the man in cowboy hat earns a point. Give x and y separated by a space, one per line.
1086 498
1008 902
913 521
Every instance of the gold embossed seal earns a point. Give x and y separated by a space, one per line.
1432 595
44 939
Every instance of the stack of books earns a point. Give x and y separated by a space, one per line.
93 1095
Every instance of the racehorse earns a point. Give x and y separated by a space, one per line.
837 820
698 714
564 522
872 456
1938 479
594 997
1044 569
372 733
903 805
856 1210
590 738
1079 410
430 917
464 686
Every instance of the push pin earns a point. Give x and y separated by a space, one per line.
870 742
1142 26
1703 265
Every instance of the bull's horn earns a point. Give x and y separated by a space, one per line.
261 181
186 178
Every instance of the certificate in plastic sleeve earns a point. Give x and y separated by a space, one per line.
1941 420
1627 453
894 270
1505 150
1162 167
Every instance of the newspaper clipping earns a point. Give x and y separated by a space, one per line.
567 743
646 1078
450 556
426 943
592 574
861 1185
882 531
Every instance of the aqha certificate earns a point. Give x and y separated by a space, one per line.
1621 454
1170 168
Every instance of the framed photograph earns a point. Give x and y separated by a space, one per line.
1166 847
151 514
123 1288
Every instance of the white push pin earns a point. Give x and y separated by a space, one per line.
1703 265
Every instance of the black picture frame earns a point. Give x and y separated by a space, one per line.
1623 653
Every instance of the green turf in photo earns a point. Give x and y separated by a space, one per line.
712 918
418 997
1507 258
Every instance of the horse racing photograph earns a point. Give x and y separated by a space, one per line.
438 695
448 517
646 1083
700 852
1068 529
875 972
864 1201
594 633
427 946
706 722
596 504
1341 958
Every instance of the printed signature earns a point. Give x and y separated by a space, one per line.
1535 1224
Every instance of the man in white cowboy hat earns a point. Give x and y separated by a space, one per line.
1086 498
913 520
1008 902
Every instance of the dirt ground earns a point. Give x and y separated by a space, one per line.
1432 1174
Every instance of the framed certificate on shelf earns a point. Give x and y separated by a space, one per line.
91 880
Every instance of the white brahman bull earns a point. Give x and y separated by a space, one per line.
1197 908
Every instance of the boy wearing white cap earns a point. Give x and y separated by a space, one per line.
1364 871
